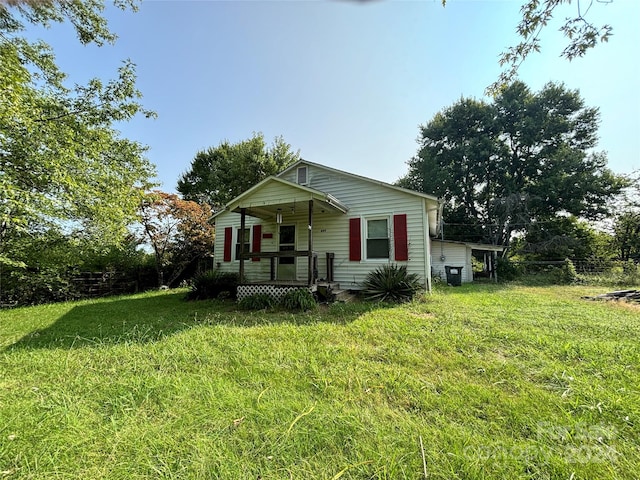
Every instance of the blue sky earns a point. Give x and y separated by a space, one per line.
346 83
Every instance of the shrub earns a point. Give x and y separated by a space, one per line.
566 273
47 285
212 283
391 283
259 301
299 299
508 270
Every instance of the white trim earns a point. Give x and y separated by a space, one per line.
427 247
365 250
236 236
377 182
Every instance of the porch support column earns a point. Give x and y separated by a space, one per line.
310 258
243 215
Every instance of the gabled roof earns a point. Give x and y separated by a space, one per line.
327 200
353 175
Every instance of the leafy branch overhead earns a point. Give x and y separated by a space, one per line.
581 33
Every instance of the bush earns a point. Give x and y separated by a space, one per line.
211 284
299 299
21 287
259 301
566 273
391 283
508 270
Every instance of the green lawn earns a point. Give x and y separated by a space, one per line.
495 381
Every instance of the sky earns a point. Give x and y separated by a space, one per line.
347 83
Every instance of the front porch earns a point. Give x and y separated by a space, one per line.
278 288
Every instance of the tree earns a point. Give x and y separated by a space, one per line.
179 231
61 159
564 237
626 226
221 173
504 166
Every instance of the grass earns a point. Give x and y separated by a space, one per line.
499 381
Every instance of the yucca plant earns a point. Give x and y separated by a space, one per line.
391 283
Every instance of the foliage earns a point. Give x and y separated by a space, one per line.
258 301
213 283
219 174
563 237
391 283
582 35
60 155
507 166
626 226
31 287
53 264
179 231
627 235
507 270
299 299
566 273
499 382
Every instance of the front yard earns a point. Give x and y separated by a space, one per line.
494 382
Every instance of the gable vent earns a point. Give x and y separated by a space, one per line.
302 176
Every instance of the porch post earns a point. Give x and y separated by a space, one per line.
310 258
243 215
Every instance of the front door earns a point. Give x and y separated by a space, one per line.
287 243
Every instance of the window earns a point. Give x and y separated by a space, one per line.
378 238
247 245
302 175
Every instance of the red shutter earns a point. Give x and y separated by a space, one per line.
228 232
355 243
257 241
400 242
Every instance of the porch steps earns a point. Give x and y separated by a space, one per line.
331 292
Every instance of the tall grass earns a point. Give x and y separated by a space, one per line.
497 382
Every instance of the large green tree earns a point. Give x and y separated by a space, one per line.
219 174
61 159
505 166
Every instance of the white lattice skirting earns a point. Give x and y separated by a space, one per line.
276 291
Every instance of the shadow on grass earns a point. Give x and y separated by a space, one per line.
149 318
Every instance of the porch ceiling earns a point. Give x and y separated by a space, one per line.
288 207
274 194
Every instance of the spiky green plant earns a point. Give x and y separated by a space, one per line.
391 283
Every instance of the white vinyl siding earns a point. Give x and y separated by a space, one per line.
455 255
366 200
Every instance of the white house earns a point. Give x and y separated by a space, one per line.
313 223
